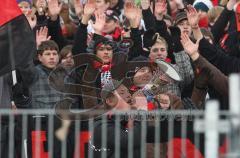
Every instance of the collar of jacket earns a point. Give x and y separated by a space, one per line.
45 69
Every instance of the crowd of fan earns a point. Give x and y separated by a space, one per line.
104 54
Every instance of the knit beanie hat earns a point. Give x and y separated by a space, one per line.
180 16
111 15
138 63
203 5
103 41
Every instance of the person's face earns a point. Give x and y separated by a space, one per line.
25 7
158 51
185 27
142 77
113 3
173 5
41 5
68 61
49 58
110 26
164 101
101 5
125 99
105 52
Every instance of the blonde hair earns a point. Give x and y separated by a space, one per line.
214 13
161 40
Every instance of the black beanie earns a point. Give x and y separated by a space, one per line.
103 41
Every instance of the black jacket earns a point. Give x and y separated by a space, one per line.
225 63
232 42
55 31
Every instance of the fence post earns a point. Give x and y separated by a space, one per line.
234 98
234 102
211 129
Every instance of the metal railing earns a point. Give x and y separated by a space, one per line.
31 133
41 134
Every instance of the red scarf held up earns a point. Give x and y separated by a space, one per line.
115 35
101 66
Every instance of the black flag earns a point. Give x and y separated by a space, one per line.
17 42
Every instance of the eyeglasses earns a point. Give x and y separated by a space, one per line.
155 50
108 48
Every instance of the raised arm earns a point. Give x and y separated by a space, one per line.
214 55
133 14
148 16
222 21
80 40
53 24
216 78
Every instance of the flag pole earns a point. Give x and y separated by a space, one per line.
12 59
11 55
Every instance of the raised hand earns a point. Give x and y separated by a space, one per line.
78 8
164 101
32 20
133 14
160 8
231 4
42 35
145 4
89 8
140 101
41 6
193 16
190 48
54 9
99 23
180 4
130 10
136 22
